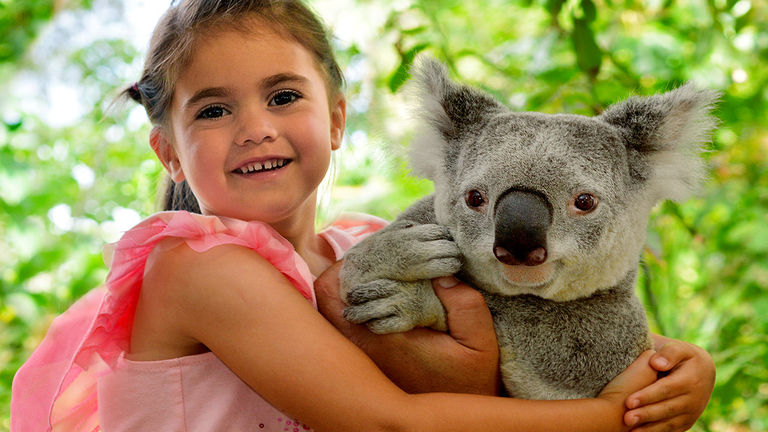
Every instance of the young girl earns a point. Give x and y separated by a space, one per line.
207 321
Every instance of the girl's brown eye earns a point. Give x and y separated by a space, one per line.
585 202
284 97
475 199
212 112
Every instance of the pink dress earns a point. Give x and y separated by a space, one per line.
79 380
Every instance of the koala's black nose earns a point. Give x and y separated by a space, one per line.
522 219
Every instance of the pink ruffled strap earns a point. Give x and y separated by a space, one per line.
349 229
56 387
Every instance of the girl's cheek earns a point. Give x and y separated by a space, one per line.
320 126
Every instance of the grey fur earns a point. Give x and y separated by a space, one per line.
569 325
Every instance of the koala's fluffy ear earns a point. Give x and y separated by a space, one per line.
664 135
448 111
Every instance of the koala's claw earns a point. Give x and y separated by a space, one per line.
374 290
390 324
380 316
373 310
407 254
389 306
434 268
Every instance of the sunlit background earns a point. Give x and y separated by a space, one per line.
76 170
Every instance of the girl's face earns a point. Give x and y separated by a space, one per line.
251 127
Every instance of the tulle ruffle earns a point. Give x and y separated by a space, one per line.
56 388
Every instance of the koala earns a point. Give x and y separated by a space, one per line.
545 215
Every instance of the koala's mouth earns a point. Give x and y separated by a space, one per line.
530 276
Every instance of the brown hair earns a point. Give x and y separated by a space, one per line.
174 39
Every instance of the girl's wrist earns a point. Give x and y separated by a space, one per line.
609 407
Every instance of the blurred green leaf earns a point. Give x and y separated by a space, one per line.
588 54
554 7
402 73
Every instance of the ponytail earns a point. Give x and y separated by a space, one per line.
178 196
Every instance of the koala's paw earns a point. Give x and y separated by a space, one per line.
390 306
403 251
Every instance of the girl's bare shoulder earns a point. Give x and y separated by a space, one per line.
185 290
181 280
174 265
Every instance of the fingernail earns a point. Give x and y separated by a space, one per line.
634 403
632 421
447 281
661 362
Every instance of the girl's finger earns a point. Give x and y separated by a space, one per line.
677 424
664 388
660 412
637 375
671 354
467 316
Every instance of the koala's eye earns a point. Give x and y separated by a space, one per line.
475 199
584 203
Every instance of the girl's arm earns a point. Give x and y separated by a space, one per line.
675 401
234 302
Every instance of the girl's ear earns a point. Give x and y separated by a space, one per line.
338 121
166 153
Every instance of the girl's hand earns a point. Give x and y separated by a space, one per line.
677 399
636 376
465 360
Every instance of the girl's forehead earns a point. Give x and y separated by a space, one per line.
232 52
248 26
232 60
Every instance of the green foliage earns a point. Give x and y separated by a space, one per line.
20 22
401 74
61 190
706 265
705 276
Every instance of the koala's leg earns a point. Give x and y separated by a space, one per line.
402 251
390 306
385 279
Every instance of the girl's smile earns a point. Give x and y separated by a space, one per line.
263 166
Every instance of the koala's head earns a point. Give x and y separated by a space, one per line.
554 205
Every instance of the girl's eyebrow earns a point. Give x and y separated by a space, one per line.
206 93
267 82
280 78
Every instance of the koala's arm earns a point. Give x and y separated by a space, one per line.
385 279
412 247
421 212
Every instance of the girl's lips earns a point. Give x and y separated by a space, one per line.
257 166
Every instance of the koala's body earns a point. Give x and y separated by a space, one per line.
546 215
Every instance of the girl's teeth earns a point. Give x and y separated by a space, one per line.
262 166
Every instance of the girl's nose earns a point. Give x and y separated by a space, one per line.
256 129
